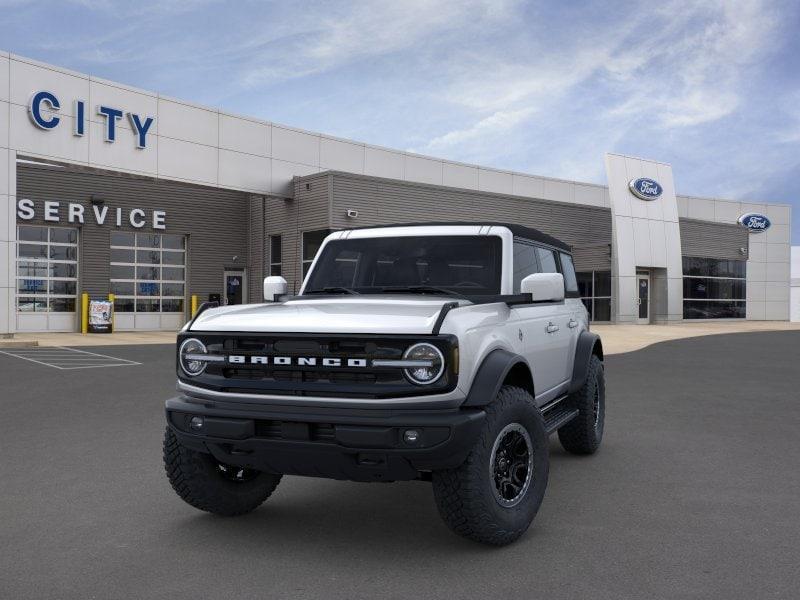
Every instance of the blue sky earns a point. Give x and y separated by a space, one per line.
712 87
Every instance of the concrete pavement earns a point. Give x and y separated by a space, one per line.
693 495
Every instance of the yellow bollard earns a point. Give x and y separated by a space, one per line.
194 304
84 312
111 298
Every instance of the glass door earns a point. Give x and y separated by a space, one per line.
643 287
234 287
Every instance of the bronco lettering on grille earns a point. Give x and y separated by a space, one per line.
300 361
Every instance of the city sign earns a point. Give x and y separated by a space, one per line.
44 106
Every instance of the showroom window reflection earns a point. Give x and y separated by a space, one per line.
714 288
595 290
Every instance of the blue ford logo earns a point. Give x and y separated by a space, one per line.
646 189
754 222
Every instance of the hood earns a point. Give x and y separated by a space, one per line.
340 314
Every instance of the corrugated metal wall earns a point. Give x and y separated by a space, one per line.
255 246
280 218
383 201
214 219
713 240
592 257
309 210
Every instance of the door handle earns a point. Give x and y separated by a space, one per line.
551 328
572 324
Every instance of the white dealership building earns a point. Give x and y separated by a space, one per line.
107 189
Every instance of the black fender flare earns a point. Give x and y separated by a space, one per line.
491 375
588 344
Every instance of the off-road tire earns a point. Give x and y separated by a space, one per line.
465 496
197 479
584 433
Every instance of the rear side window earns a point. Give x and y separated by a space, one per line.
524 263
568 271
547 260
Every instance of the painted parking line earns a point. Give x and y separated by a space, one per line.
68 359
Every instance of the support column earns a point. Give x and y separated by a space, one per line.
645 235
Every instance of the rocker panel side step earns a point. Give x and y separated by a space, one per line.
557 414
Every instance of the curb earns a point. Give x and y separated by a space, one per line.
18 344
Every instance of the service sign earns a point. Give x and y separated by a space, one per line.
101 313
754 222
55 211
645 189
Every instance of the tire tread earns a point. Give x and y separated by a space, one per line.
579 435
188 476
460 495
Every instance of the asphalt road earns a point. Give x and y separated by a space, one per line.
694 494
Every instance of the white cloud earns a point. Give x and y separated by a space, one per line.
690 72
353 32
493 125
670 66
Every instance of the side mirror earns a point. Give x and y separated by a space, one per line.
274 287
544 287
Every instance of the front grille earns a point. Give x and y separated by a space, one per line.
297 379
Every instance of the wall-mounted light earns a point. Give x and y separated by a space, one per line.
352 213
97 201
743 251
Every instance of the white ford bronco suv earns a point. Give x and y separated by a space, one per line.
441 352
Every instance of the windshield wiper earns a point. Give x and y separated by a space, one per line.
334 290
423 289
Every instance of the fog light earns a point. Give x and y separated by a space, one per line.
411 436
196 423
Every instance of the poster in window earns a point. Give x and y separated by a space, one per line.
101 313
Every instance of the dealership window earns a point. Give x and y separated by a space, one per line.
594 288
714 288
47 269
312 240
275 255
148 272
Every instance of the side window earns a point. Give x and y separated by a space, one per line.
568 270
547 260
524 263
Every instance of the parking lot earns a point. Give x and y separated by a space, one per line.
694 494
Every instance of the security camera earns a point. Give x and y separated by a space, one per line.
352 214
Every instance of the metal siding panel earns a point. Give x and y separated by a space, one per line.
255 248
713 240
280 216
215 220
592 258
384 201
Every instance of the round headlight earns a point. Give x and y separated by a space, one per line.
428 353
188 348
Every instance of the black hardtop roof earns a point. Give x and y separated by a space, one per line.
528 233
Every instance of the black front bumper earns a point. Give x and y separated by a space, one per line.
343 444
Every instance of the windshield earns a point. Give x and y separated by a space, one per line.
456 265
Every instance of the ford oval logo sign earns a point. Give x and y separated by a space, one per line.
754 222
646 189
